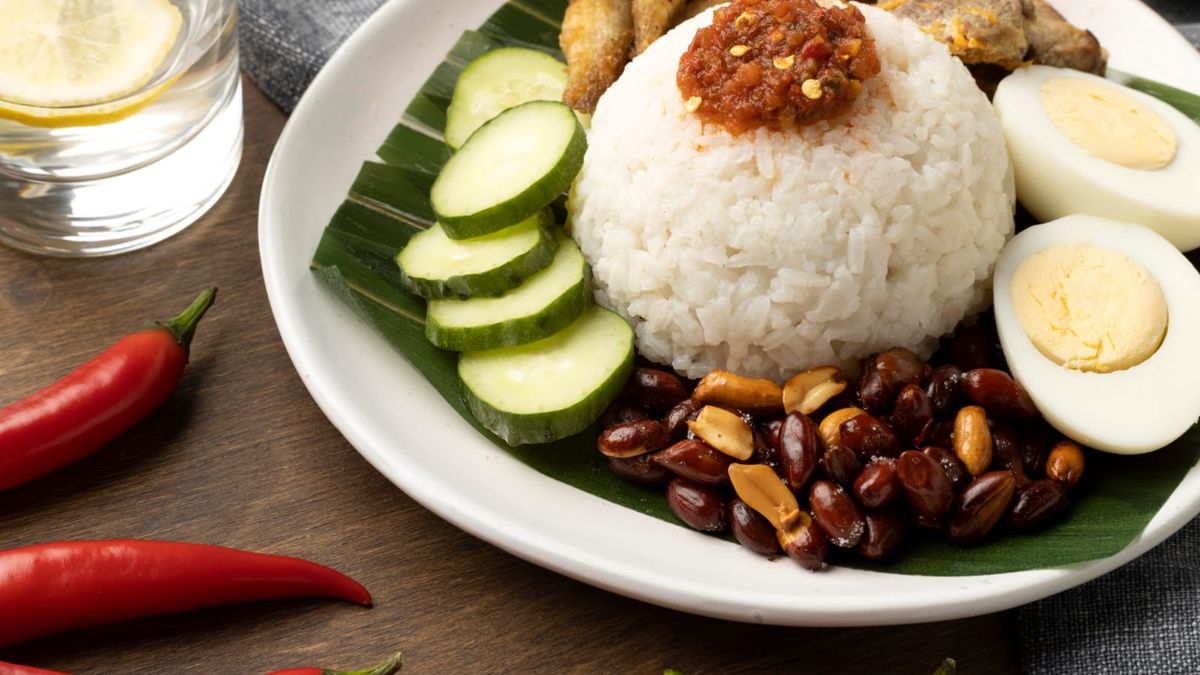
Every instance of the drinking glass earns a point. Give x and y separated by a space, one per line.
85 181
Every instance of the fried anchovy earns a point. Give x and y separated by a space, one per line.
651 19
596 38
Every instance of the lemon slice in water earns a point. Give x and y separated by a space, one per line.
71 62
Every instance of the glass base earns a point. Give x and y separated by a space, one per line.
128 211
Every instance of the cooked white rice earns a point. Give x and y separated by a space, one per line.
772 252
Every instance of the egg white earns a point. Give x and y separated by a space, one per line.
1129 411
1057 178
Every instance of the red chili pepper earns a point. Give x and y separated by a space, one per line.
75 416
50 588
388 667
17 669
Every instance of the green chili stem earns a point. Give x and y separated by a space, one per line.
183 327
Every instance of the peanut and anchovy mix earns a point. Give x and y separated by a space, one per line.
825 467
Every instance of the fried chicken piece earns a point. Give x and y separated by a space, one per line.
1054 41
651 18
596 38
976 31
694 7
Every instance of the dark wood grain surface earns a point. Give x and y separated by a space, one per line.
241 456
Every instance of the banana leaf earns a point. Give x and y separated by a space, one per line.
388 203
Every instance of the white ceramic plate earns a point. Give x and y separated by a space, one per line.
400 424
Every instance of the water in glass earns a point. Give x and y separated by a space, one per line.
102 161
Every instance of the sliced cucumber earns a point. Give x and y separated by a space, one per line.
552 388
497 81
509 170
436 266
546 303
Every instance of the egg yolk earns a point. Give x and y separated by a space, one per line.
1107 123
1089 308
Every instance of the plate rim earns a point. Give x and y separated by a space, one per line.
568 558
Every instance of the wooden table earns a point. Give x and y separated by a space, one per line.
241 456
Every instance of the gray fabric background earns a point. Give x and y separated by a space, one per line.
1185 14
1142 618
285 42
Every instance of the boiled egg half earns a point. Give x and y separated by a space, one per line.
1083 144
1100 323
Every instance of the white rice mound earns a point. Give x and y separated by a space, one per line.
773 252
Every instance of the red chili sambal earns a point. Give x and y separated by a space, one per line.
776 63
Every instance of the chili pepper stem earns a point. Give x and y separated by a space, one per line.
183 327
388 667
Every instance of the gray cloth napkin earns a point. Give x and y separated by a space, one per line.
1141 618
1144 617
1185 14
285 42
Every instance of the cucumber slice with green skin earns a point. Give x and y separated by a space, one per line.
552 388
509 169
433 265
546 303
497 81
